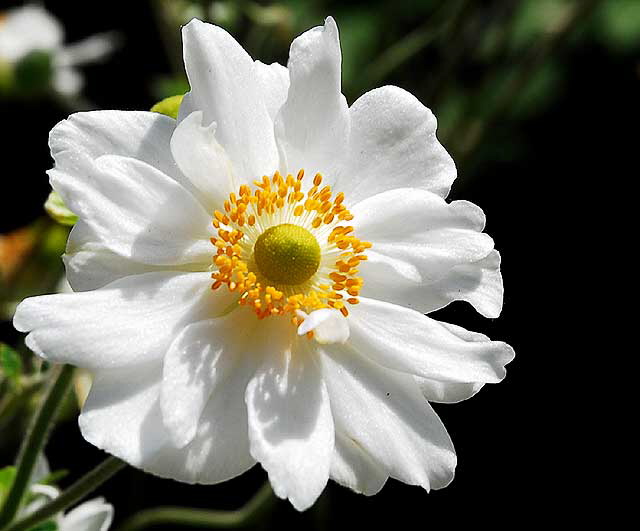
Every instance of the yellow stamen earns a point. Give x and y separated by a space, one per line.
269 286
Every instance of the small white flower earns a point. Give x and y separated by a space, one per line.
311 354
93 515
30 28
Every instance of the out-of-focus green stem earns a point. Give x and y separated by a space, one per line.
35 441
14 400
433 28
85 485
516 84
458 42
260 504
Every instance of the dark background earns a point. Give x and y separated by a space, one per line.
550 111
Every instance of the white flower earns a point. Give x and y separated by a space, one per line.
305 357
30 28
93 515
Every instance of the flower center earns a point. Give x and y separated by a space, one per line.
287 254
284 250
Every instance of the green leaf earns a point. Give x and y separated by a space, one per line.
56 208
49 525
169 106
7 474
619 24
10 362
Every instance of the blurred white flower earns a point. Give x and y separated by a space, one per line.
297 340
31 28
93 515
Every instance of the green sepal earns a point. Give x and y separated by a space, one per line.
56 208
54 477
169 106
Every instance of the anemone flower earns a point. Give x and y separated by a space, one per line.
251 280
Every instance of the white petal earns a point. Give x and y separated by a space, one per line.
313 125
130 321
82 138
393 144
405 340
75 144
93 515
329 326
479 283
200 157
199 363
447 392
353 467
90 265
122 416
290 425
227 89
67 80
275 85
89 50
26 29
417 235
138 212
40 496
452 392
384 413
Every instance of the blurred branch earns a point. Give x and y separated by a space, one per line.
260 504
476 132
393 57
460 42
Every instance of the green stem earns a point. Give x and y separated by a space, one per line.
35 441
85 485
260 504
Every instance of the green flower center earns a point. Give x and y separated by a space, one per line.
287 254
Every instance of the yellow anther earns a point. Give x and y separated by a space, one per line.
235 249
